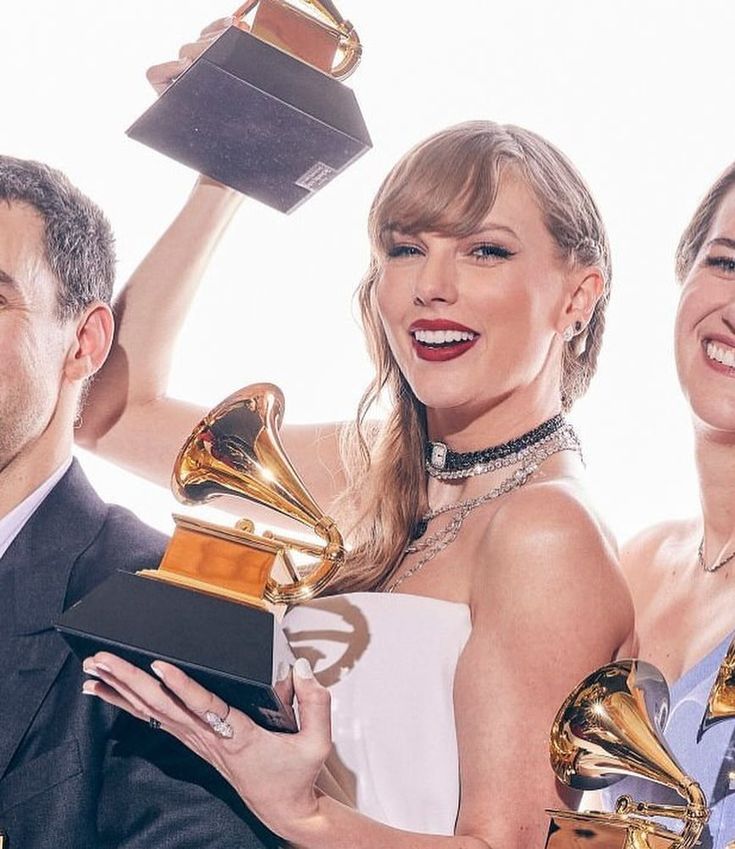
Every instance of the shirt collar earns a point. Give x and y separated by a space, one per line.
12 524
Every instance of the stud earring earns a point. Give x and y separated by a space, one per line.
568 333
577 326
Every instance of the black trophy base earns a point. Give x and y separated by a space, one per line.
231 649
253 117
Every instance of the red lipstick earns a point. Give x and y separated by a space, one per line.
431 346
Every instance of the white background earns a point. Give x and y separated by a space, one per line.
638 93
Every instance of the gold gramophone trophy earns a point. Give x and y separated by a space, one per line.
721 702
262 109
608 728
205 607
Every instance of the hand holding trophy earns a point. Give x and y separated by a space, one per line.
609 727
261 109
204 608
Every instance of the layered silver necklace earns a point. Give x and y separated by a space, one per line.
530 457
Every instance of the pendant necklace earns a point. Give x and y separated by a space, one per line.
564 439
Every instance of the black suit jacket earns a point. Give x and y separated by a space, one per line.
74 772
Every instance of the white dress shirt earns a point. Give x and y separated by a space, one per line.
12 524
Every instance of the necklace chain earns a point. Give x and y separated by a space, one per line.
718 564
564 439
443 463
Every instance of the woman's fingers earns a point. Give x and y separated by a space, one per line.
112 697
161 76
315 715
217 27
194 697
144 693
194 49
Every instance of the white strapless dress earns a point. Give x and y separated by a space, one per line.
389 661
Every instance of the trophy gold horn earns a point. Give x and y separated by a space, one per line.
235 450
721 701
609 727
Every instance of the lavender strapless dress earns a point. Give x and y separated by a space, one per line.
711 761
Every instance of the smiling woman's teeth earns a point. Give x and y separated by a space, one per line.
443 337
720 353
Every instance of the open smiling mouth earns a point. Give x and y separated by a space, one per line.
720 355
438 345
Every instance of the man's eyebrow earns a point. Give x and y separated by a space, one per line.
723 241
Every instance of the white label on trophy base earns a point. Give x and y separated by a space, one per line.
317 176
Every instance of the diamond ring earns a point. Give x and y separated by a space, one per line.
219 724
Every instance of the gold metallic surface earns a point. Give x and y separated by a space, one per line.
721 702
608 727
312 31
593 830
236 450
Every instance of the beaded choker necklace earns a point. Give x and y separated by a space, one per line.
445 464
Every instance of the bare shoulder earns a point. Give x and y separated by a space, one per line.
649 552
554 558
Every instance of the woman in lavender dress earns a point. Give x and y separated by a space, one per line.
682 573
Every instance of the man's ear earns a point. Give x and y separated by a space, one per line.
91 343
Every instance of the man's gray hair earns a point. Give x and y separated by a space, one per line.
79 245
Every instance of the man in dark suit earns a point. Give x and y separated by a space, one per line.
74 772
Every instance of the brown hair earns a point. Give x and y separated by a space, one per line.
448 184
696 231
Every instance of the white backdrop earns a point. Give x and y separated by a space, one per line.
637 92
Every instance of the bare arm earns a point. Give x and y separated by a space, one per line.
129 418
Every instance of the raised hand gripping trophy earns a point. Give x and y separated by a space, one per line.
204 608
262 109
608 728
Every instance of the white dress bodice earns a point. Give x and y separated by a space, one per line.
389 661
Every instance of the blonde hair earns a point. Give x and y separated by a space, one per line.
696 231
448 184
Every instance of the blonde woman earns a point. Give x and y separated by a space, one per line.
481 585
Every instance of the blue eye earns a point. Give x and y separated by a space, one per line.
725 263
490 251
404 250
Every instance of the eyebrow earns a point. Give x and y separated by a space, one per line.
482 228
723 241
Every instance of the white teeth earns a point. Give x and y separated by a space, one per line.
443 337
721 353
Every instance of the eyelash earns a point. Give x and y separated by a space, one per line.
483 252
725 263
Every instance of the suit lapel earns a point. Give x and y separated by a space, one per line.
40 563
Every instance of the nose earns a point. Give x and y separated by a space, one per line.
435 279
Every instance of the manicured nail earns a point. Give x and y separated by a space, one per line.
87 689
283 670
92 668
185 62
302 668
158 672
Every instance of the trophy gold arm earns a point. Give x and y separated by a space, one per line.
721 701
608 727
